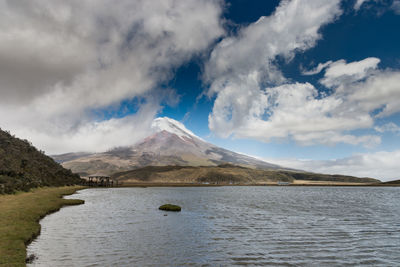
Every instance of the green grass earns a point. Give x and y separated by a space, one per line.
19 219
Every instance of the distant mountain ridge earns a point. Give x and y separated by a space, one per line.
170 144
23 167
227 174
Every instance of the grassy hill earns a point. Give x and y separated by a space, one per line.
396 182
226 174
23 167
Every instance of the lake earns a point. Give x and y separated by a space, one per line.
224 226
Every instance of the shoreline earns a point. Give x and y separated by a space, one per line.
21 215
332 184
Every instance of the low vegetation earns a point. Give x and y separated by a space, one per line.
23 167
308 176
20 215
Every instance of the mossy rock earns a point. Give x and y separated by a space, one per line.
170 207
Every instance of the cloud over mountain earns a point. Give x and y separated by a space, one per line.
62 60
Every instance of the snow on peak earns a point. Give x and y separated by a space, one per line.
172 126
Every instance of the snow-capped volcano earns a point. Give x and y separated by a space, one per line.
170 144
172 126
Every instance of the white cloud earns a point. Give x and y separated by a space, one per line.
380 92
61 59
340 73
382 165
388 127
290 110
241 71
93 136
317 69
358 4
396 7
254 100
292 27
382 6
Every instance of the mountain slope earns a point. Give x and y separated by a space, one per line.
227 174
395 182
170 144
23 167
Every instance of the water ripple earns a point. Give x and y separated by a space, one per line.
224 226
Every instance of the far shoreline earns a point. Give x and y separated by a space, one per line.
321 184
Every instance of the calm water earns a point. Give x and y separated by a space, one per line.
224 226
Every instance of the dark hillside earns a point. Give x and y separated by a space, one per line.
23 167
395 182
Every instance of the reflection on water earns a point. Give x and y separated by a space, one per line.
223 226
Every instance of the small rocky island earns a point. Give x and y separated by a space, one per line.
170 207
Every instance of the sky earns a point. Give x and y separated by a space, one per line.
308 84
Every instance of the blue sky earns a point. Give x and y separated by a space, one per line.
307 84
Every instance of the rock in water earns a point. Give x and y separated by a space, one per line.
170 207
